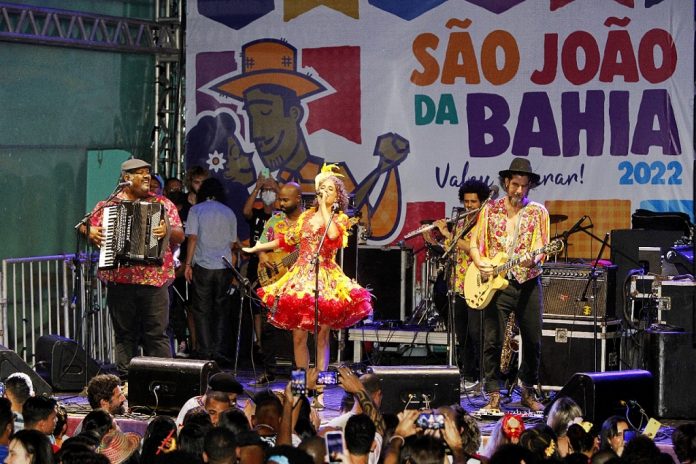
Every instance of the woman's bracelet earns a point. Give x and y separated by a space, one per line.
403 441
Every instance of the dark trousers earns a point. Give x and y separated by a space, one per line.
525 300
140 315
211 311
467 329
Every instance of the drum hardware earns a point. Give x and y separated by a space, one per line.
426 311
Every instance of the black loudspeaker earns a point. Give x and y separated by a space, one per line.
563 286
166 384
624 252
604 394
672 361
10 362
388 272
64 363
682 296
414 387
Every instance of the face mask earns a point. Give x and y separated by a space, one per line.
268 197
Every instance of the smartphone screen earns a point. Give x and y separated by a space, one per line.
266 173
334 446
327 378
431 421
298 382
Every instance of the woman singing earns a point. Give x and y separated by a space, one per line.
342 302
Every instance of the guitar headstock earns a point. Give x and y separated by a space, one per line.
554 247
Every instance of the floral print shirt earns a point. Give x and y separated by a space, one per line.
156 276
533 232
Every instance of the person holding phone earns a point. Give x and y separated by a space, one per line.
410 429
342 301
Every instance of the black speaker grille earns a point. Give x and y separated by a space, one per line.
563 285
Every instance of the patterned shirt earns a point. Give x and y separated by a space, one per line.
276 226
463 259
532 227
156 276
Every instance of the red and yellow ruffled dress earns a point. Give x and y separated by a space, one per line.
342 302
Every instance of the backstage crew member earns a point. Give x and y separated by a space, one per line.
137 294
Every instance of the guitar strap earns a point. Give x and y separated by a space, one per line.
513 243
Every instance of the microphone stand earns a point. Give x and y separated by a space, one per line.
592 278
245 291
449 256
315 261
79 277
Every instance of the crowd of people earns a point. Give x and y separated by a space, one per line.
283 427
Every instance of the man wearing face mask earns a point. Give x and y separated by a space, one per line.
256 216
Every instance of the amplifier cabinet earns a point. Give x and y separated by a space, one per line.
563 285
388 272
567 347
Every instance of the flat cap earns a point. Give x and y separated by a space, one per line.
134 163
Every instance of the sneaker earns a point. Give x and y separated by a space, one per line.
467 385
262 380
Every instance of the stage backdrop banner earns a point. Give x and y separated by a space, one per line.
413 97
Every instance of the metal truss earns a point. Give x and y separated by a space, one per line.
50 26
162 38
169 94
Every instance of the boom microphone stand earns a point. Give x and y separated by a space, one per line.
78 303
245 292
592 278
448 255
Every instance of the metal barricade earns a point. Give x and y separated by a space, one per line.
54 295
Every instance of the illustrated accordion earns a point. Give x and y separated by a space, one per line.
128 236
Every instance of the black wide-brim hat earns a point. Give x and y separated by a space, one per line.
521 166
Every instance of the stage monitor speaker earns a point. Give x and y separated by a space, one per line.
601 394
672 361
64 363
415 387
164 384
563 286
10 362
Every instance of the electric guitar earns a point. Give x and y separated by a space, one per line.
479 291
279 263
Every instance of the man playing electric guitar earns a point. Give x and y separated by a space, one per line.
513 225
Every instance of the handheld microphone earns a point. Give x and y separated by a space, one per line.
125 183
495 190
319 194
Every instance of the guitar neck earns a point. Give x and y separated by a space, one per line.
290 258
515 261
